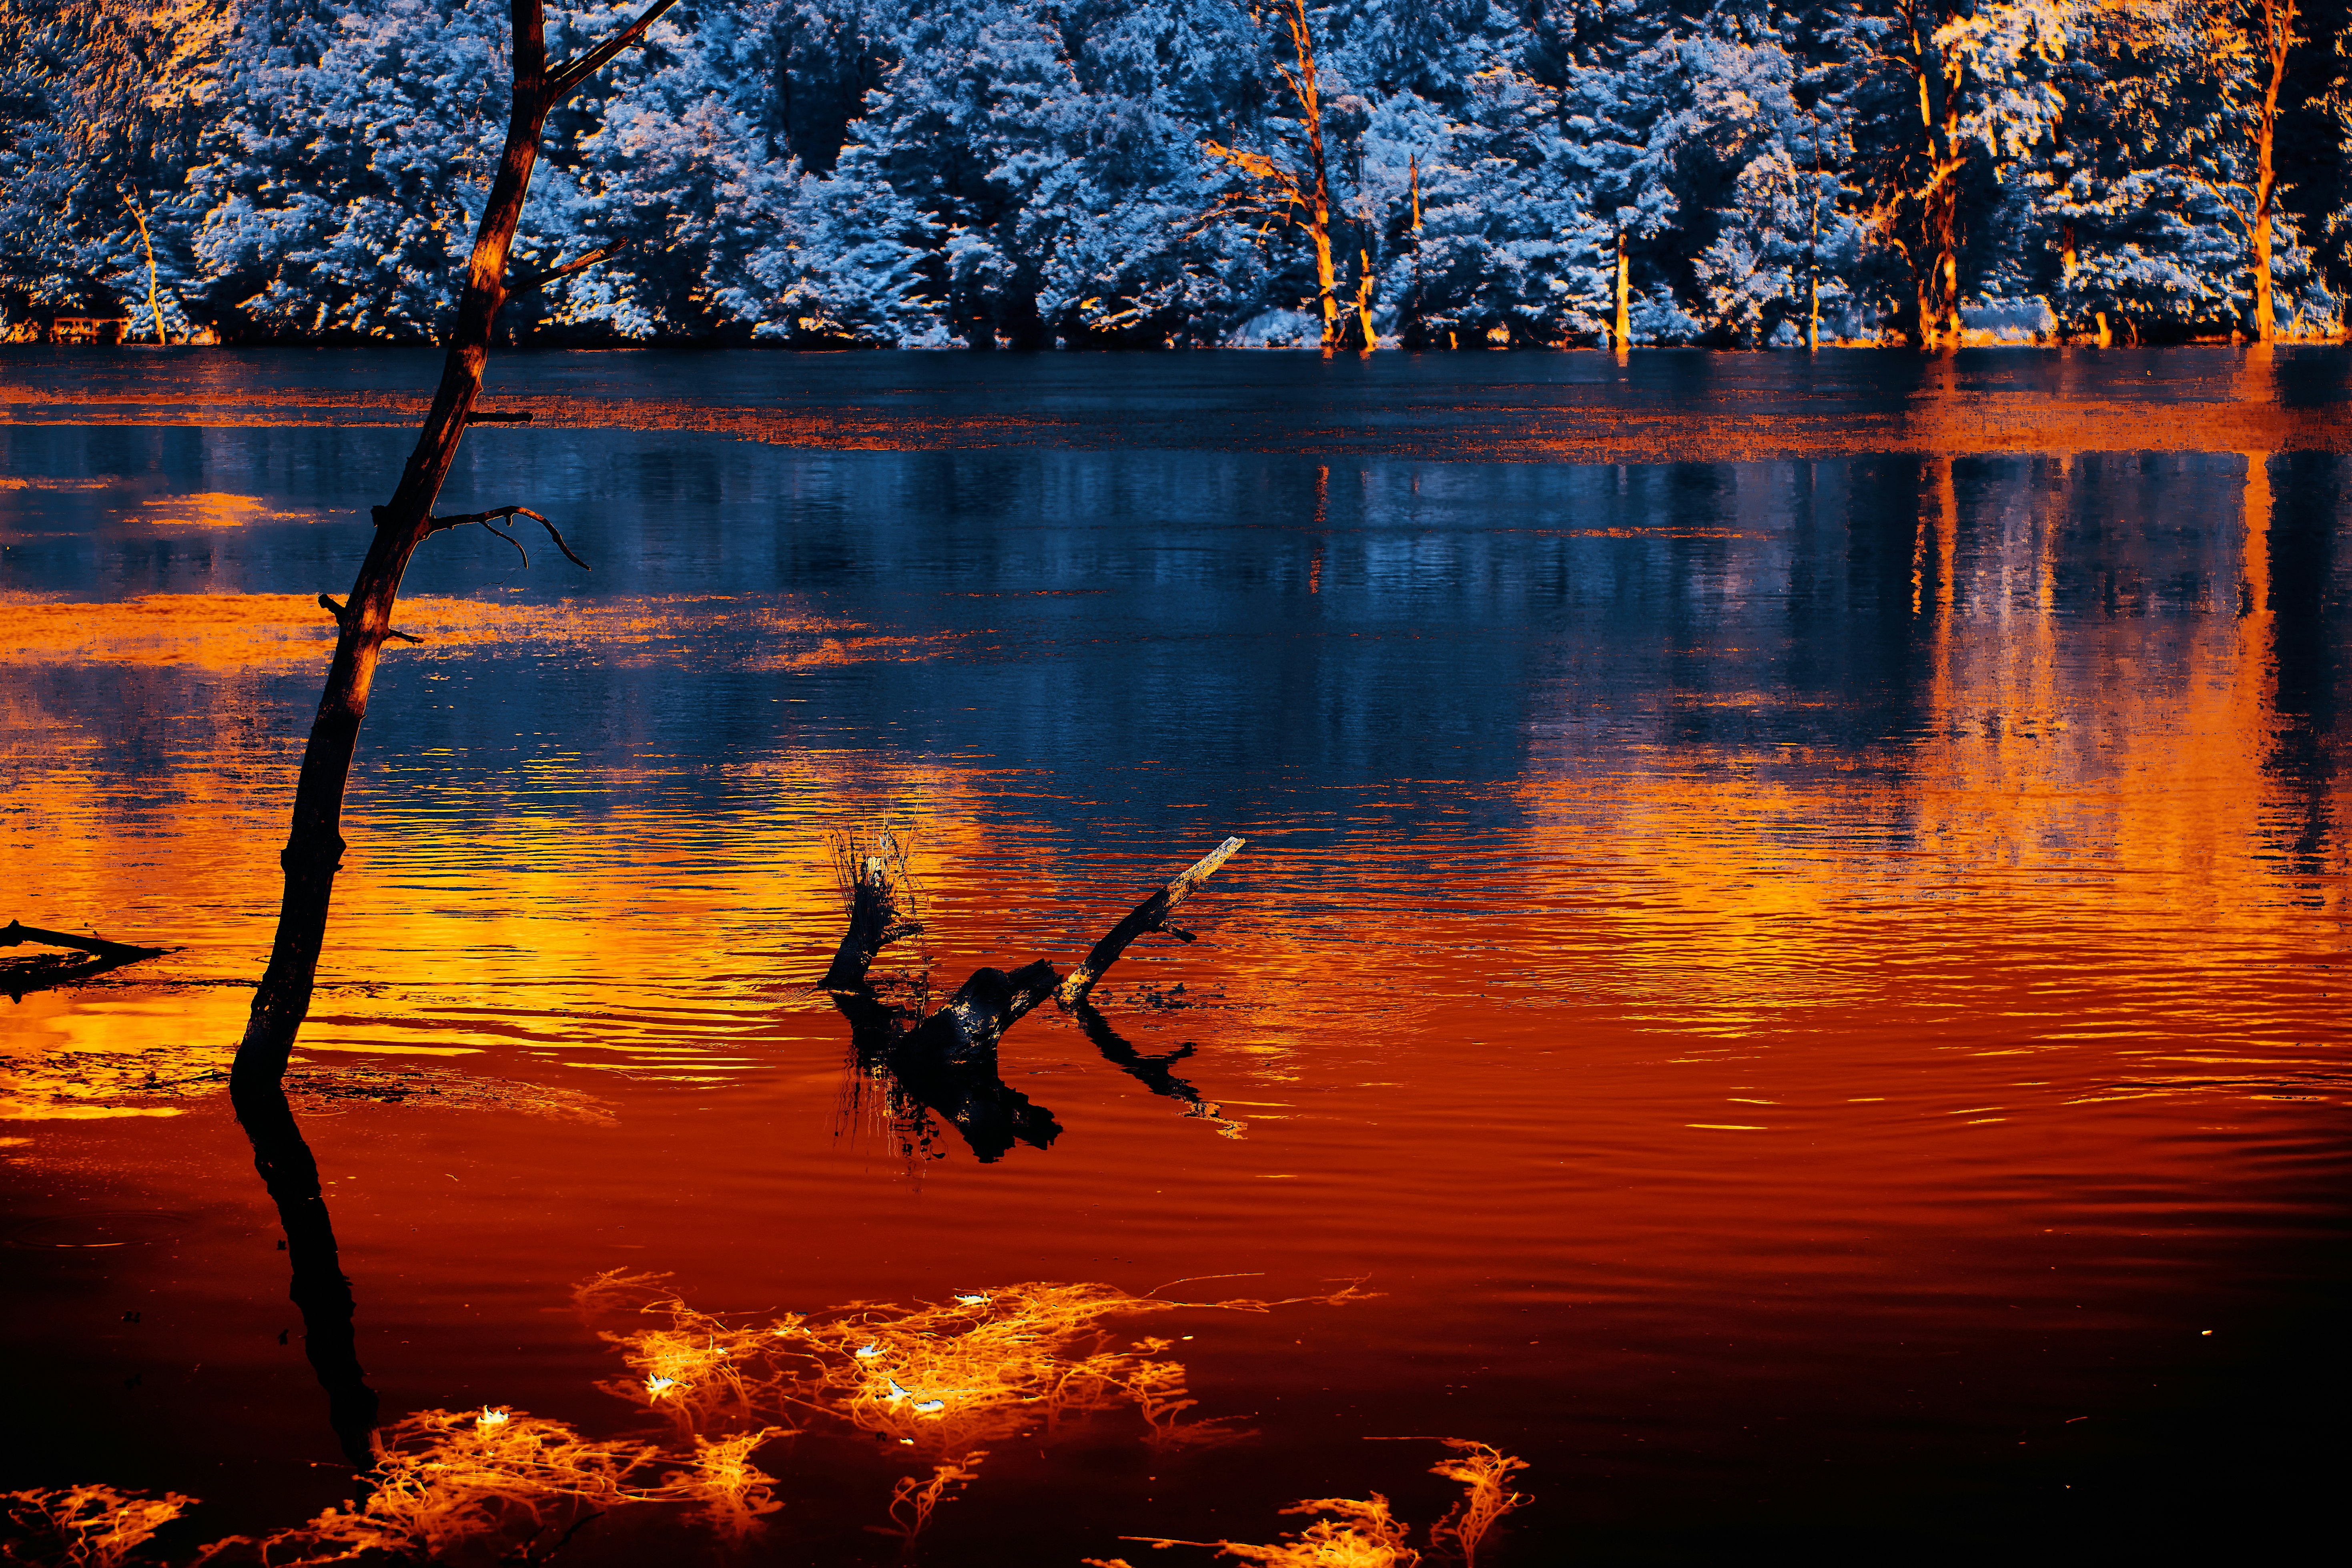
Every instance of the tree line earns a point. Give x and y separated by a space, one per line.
1029 174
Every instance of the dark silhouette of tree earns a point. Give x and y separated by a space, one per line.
314 846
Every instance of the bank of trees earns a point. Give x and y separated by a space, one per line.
1028 173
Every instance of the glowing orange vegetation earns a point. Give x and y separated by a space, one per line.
447 1481
941 1378
83 1527
1362 1533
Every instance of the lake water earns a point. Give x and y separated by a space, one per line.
1793 937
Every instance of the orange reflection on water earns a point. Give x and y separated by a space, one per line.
264 631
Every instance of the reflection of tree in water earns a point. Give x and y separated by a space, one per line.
1152 1073
919 1061
320 1289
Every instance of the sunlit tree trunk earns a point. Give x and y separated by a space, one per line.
1939 92
154 292
2276 19
1624 295
314 845
1310 94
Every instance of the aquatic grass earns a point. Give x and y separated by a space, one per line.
451 1483
1484 1471
1362 1533
1352 1532
943 1377
82 1527
487 1485
913 1499
735 1494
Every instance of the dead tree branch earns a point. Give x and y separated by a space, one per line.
17 933
531 281
492 518
1148 916
947 1060
568 77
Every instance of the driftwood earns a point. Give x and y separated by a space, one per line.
23 976
946 1059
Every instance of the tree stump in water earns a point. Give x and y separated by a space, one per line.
947 1060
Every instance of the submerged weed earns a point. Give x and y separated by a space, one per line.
945 1379
912 1498
1485 1472
82 1527
1363 1533
450 1484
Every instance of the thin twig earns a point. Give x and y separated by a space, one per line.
509 538
546 275
502 513
564 78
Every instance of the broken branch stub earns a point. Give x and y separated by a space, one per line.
1148 916
875 871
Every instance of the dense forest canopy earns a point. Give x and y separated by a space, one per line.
1148 173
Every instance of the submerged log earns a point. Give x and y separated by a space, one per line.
965 1031
21 977
17 932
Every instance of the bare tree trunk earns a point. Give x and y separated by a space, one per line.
1624 296
2278 19
1310 94
154 293
314 845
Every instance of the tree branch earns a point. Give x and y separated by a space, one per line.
17 933
564 78
1148 916
499 514
542 277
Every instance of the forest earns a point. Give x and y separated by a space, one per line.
1148 174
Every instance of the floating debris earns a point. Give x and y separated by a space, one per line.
81 1085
